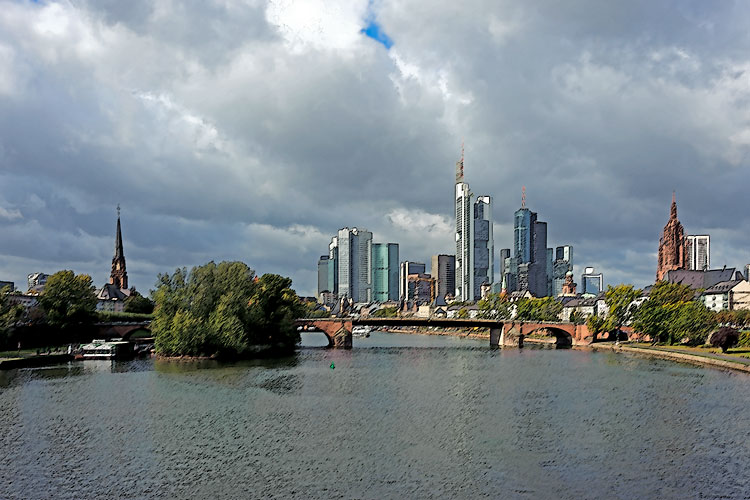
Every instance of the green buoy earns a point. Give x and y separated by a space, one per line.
333 367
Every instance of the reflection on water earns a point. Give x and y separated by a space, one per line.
398 416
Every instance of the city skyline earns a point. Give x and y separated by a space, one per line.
255 139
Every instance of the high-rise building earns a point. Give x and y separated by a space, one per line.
407 268
421 288
464 236
444 273
592 283
323 285
333 265
672 253
474 239
355 264
523 233
504 254
698 250
532 267
747 272
385 272
484 246
562 264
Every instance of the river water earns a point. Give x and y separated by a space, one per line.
398 416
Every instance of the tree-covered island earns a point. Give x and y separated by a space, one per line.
224 311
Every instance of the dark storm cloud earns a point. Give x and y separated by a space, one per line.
255 130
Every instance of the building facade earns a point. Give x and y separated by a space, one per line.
698 250
592 283
562 264
36 281
484 246
406 269
385 269
443 270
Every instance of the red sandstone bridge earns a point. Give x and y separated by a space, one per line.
122 329
502 332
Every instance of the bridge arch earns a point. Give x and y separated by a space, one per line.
563 338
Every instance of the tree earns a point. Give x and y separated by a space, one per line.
137 303
10 314
671 314
725 338
68 300
494 306
223 310
576 318
386 312
596 325
619 300
542 309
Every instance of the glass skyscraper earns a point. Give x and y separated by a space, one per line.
355 264
385 271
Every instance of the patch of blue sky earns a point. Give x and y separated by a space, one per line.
374 31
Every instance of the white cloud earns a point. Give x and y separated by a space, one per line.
10 214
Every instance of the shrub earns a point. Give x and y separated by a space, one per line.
725 338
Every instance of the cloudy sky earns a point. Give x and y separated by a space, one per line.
252 130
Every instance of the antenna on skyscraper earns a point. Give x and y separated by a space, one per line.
523 196
462 151
118 210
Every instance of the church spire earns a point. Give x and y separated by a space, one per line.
118 239
119 276
673 209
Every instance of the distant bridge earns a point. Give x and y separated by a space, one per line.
502 332
122 329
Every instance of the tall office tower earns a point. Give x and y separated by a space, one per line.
562 264
323 275
747 272
548 266
385 270
698 250
538 264
464 236
504 254
510 274
592 282
444 273
530 253
333 265
355 264
405 269
672 255
484 245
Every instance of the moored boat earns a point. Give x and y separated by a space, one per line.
102 349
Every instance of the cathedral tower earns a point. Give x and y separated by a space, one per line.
672 251
119 276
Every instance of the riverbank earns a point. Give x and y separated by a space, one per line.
677 354
34 361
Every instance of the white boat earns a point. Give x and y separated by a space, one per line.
102 349
361 331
